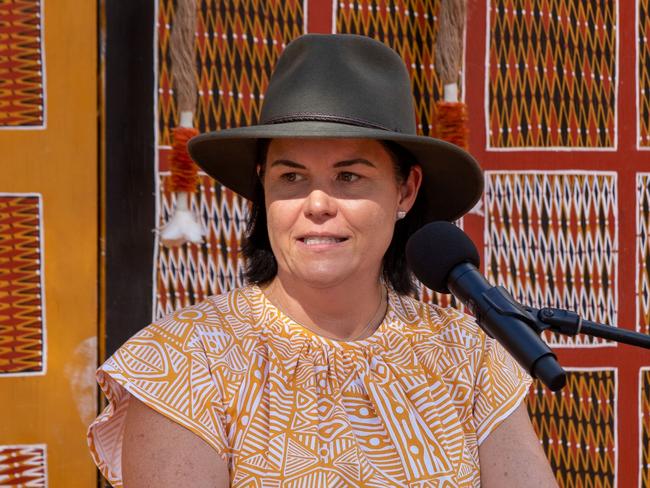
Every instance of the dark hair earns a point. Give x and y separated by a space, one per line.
261 266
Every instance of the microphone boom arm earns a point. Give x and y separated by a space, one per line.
570 323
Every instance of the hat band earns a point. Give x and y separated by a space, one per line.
317 117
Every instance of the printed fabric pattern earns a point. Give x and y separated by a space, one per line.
406 407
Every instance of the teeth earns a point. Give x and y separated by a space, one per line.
321 240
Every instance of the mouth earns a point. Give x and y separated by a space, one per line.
321 240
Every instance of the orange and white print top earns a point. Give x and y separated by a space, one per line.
407 406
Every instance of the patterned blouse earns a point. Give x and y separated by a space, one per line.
407 406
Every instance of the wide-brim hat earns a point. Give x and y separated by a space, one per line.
342 86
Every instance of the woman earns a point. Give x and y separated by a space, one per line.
323 371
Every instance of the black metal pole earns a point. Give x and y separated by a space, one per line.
570 323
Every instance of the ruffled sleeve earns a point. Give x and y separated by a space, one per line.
166 367
501 385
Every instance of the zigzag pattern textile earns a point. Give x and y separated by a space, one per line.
237 45
23 465
643 253
552 73
577 427
22 95
21 319
644 72
409 27
644 431
552 240
189 274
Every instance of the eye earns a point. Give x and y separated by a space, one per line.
348 177
290 177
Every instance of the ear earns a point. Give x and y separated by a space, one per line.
409 188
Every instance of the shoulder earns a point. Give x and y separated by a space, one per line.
201 332
213 338
217 314
447 344
447 325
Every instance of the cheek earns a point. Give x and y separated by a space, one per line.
280 217
374 220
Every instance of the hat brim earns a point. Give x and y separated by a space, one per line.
452 179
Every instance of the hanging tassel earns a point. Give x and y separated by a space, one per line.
183 226
451 123
449 41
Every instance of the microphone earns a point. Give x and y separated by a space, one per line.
445 259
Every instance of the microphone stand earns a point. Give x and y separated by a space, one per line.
570 324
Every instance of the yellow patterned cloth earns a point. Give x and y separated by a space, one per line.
407 406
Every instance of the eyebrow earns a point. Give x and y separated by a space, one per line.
351 162
340 164
287 162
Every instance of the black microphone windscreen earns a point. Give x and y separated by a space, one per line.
435 249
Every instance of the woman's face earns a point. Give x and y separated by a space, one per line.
331 207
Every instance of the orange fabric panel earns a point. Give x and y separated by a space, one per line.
57 166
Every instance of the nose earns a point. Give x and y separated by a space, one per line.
320 205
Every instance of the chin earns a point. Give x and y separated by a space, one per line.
324 277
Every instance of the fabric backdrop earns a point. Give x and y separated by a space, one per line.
558 93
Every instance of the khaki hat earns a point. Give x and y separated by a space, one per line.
342 86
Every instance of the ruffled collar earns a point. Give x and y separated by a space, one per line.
279 322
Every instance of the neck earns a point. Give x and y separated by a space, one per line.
341 312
